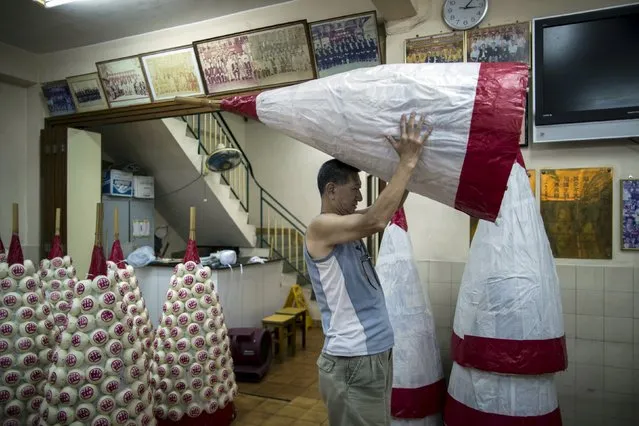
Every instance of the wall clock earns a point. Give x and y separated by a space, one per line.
464 14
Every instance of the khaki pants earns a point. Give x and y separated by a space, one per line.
357 390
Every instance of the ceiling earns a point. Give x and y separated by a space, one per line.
29 26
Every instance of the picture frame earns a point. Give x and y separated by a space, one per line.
438 48
172 72
253 60
629 223
501 43
345 43
576 206
58 98
123 82
87 92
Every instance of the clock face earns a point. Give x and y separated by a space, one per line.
464 14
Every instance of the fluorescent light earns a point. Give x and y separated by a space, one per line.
54 3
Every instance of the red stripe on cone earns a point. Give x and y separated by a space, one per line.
241 105
458 414
418 403
15 251
399 219
496 123
56 248
529 357
1 246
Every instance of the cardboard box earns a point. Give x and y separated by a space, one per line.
143 187
117 183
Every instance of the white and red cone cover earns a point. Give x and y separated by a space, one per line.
481 398
509 316
27 336
419 389
476 111
192 369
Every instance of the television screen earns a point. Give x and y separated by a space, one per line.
587 67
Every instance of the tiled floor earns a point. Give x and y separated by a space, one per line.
289 394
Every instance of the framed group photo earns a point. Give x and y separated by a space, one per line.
172 72
123 82
440 48
629 214
58 97
345 43
257 59
87 92
503 43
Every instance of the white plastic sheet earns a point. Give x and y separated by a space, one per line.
416 356
510 289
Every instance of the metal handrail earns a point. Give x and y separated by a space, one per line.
266 198
230 134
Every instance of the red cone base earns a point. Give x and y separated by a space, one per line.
117 256
15 251
98 263
222 417
56 248
191 254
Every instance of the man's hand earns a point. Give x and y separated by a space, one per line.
410 144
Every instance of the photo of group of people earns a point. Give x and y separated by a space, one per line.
283 54
441 48
265 58
630 214
173 73
124 82
58 96
345 44
505 43
87 92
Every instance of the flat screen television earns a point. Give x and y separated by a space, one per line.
586 75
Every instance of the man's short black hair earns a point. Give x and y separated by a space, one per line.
336 172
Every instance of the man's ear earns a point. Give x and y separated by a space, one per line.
330 189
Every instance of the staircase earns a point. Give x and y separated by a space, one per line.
279 233
167 150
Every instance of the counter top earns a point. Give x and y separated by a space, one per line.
172 263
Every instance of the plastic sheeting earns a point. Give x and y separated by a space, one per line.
509 396
416 357
509 311
476 111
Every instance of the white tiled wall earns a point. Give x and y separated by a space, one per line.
601 320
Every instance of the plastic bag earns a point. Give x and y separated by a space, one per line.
141 257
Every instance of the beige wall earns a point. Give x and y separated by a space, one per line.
84 191
21 118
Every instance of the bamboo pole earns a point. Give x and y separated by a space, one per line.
15 226
116 224
99 217
192 224
58 212
214 104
